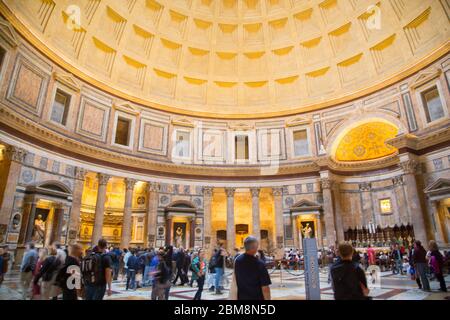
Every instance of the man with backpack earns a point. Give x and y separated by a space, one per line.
348 279
96 271
69 276
27 266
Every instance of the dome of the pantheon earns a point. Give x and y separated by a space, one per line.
236 58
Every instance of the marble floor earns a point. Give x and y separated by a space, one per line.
286 285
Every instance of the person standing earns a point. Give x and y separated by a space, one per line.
199 267
27 266
69 277
47 274
420 264
252 278
179 263
348 278
132 267
161 277
168 259
219 268
397 257
97 272
127 255
437 263
371 256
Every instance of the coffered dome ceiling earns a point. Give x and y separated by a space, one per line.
236 59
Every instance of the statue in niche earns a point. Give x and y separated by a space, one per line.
39 230
307 230
178 237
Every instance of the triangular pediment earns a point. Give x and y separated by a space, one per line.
439 185
305 204
425 76
8 33
183 122
297 121
127 107
241 126
68 80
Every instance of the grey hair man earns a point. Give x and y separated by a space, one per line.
252 278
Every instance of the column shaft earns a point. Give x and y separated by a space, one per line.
410 169
256 227
279 223
127 218
209 239
99 208
152 213
231 229
77 195
328 210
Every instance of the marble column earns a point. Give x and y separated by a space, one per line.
410 168
169 222
279 223
99 208
58 216
210 239
366 203
152 213
127 218
295 232
402 216
319 232
338 212
13 159
191 233
439 229
30 221
75 212
328 211
231 228
256 223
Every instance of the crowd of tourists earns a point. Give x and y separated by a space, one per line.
72 273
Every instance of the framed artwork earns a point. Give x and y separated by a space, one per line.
179 234
307 229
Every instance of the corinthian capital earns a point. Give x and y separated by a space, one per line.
208 191
277 191
129 183
80 173
255 192
410 166
326 183
152 186
13 153
103 178
230 192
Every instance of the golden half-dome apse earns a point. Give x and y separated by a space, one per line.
236 59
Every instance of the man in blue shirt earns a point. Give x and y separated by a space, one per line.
252 278
27 266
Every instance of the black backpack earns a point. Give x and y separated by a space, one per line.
91 269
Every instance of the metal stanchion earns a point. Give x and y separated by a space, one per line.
281 276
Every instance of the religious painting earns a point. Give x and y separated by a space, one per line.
385 206
39 228
182 144
179 234
307 229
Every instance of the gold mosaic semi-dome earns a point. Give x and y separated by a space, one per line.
235 59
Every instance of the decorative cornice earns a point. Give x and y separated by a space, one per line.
64 62
8 33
